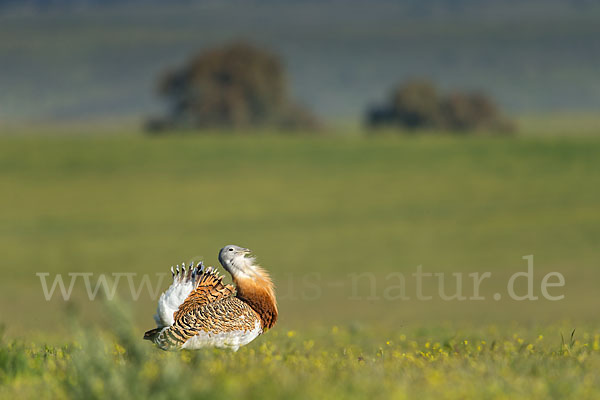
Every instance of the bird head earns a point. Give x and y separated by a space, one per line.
236 261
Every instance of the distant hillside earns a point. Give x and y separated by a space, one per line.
410 7
65 59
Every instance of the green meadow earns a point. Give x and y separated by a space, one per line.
336 220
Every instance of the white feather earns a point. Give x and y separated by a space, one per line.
171 299
232 339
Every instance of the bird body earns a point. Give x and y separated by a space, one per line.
199 310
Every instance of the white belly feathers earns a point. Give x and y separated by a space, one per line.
232 339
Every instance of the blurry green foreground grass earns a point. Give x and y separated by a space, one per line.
489 362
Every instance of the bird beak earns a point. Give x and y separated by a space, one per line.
245 251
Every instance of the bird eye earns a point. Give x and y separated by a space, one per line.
230 249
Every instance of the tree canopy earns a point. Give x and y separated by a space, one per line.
235 86
416 104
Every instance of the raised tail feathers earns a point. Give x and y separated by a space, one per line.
185 280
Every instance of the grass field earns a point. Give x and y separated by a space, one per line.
316 211
330 363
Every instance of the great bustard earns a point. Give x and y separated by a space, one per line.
199 310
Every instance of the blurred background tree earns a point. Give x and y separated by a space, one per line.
238 85
473 111
416 105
